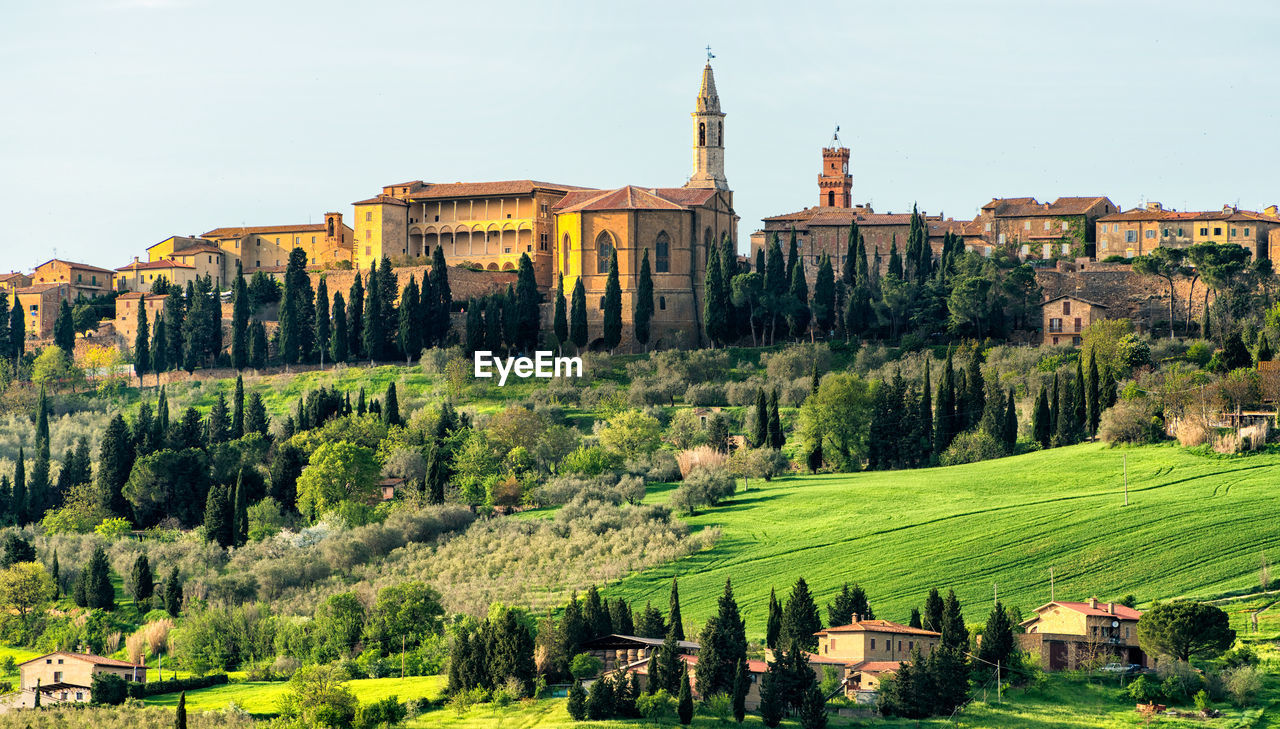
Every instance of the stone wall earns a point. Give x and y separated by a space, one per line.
1143 299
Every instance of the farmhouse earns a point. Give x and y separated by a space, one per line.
68 677
870 649
1069 635
755 672
1066 317
620 651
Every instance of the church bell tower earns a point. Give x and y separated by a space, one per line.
835 184
708 136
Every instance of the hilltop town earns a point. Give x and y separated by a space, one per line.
1023 462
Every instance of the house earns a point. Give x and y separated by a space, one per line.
10 282
1269 374
1064 227
1066 317
41 302
267 246
83 279
1139 231
126 322
755 672
388 487
618 651
68 677
1069 635
867 650
141 275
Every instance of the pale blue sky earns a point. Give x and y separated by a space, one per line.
129 121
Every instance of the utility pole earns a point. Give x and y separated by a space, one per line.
995 594
1126 478
999 688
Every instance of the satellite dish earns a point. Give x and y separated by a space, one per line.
1115 623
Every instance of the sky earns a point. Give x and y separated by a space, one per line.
128 121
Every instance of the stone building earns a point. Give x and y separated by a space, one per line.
868 649
9 282
125 323
268 246
824 228
41 303
1066 317
1031 229
1073 635
486 224
677 226
1139 231
141 275
81 278
65 677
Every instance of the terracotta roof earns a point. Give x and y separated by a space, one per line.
481 189
149 265
753 666
876 666
172 238
878 626
631 197
384 199
1020 207
40 288
197 248
241 231
139 295
13 275
645 641
73 264
1073 297
95 660
844 216
1121 611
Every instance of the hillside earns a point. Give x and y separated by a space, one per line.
1196 525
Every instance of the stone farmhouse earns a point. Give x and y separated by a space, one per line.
1070 635
866 650
66 677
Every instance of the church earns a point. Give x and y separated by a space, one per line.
677 226
573 232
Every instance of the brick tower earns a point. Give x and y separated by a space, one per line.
835 184
708 136
333 233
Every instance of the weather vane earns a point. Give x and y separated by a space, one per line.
710 55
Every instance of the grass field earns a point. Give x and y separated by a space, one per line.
1195 525
262 697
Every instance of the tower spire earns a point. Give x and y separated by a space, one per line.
708 134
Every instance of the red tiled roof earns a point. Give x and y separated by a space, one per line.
481 189
148 265
13 275
1121 611
240 231
197 248
95 660
878 626
384 199
73 264
752 665
876 666
1020 207
629 198
40 288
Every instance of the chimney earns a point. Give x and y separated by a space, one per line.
1093 603
1153 205
857 618
1111 608
1272 210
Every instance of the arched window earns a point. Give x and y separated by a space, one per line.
702 134
662 254
720 134
566 254
602 303
662 303
330 227
604 251
831 198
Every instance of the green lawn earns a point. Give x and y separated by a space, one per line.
1195 525
262 697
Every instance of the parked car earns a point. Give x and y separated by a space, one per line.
1123 668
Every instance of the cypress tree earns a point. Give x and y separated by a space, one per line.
174 316
240 513
441 296
527 301
19 500
954 633
237 410
675 625
258 350
760 434
391 407
824 297
772 704
1081 418
161 436
741 685
475 326
38 487
55 570
612 326
217 517
713 315
773 626
64 329
409 325
141 583
578 316
98 591
159 348
684 708
1107 388
374 338
493 322
1010 423
945 410
291 318
643 314
925 416
934 609
799 317
560 322
849 271
255 418
240 321
173 593
6 348
895 261
1055 397
115 462
180 718
324 326
998 642
340 338
141 342
17 331
1092 393
723 645
776 437
776 284
799 620
355 318
813 709
510 318
218 424
915 621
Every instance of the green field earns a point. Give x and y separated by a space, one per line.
263 697
1196 525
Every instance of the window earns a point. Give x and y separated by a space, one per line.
1026 225
566 254
1204 231
368 234
1066 307
662 253
367 251
1233 232
1078 324
79 277
297 239
662 303
604 252
79 696
543 209
1179 232
1217 231
1149 234
1130 236
873 644
277 240
702 134
1046 227
601 302
1065 226
1001 239
988 227
1246 232
542 241
368 216
911 645
57 676
1165 232
1055 325
1076 341
313 240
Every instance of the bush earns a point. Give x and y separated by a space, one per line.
704 486
1144 690
1131 421
700 457
109 689
706 393
589 461
762 463
656 707
972 446
1243 684
660 466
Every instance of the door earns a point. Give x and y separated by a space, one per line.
1057 655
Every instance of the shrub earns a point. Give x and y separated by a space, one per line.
589 461
656 707
706 393
972 446
1243 684
1130 421
700 457
704 486
659 465
1144 690
1192 432
762 463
